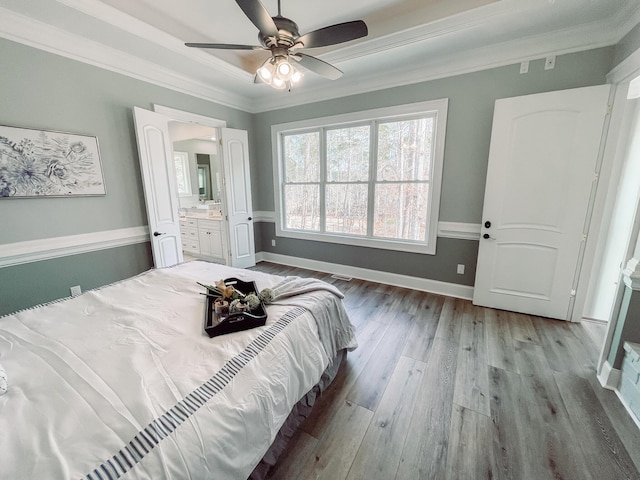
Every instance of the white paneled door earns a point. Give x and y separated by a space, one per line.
237 184
160 189
541 179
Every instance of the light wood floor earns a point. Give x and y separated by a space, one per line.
441 389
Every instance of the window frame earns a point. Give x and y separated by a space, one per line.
374 117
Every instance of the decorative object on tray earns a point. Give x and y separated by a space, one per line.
233 305
41 163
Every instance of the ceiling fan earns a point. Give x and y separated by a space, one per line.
280 35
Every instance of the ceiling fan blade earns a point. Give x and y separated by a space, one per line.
318 66
259 16
334 34
225 46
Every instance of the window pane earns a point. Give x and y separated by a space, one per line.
182 173
348 154
302 157
405 150
346 209
302 207
400 211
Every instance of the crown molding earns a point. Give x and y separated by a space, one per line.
421 33
36 34
484 58
125 22
239 91
627 20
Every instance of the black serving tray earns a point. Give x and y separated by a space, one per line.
235 322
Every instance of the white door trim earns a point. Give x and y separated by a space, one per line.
614 156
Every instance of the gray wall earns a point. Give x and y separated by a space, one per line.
34 283
45 91
42 90
471 101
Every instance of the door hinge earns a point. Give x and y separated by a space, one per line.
229 253
573 292
609 109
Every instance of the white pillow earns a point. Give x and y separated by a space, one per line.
3 381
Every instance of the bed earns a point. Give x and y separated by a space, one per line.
123 382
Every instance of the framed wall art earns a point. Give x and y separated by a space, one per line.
42 163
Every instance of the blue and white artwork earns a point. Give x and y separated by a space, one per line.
40 163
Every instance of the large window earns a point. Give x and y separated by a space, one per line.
370 178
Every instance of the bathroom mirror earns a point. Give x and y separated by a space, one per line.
198 171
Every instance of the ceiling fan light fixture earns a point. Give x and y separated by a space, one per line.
278 83
284 69
266 71
279 72
296 77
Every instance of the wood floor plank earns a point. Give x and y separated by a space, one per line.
505 436
471 434
546 433
472 379
500 345
553 336
530 358
522 328
381 448
450 319
424 455
425 324
325 408
334 454
301 448
603 451
373 380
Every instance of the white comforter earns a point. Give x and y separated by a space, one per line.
123 382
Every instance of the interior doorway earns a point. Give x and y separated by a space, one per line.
602 304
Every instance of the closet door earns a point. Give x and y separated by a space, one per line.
540 182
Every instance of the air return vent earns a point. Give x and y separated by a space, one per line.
341 277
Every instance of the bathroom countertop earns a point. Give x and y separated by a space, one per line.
203 216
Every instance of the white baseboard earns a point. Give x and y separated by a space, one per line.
609 377
46 248
415 283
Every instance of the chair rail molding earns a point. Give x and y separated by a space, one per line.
46 248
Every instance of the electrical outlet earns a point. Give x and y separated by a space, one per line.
524 66
273 242
460 269
550 62
75 291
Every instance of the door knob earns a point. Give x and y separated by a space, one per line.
157 234
249 219
487 224
486 236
